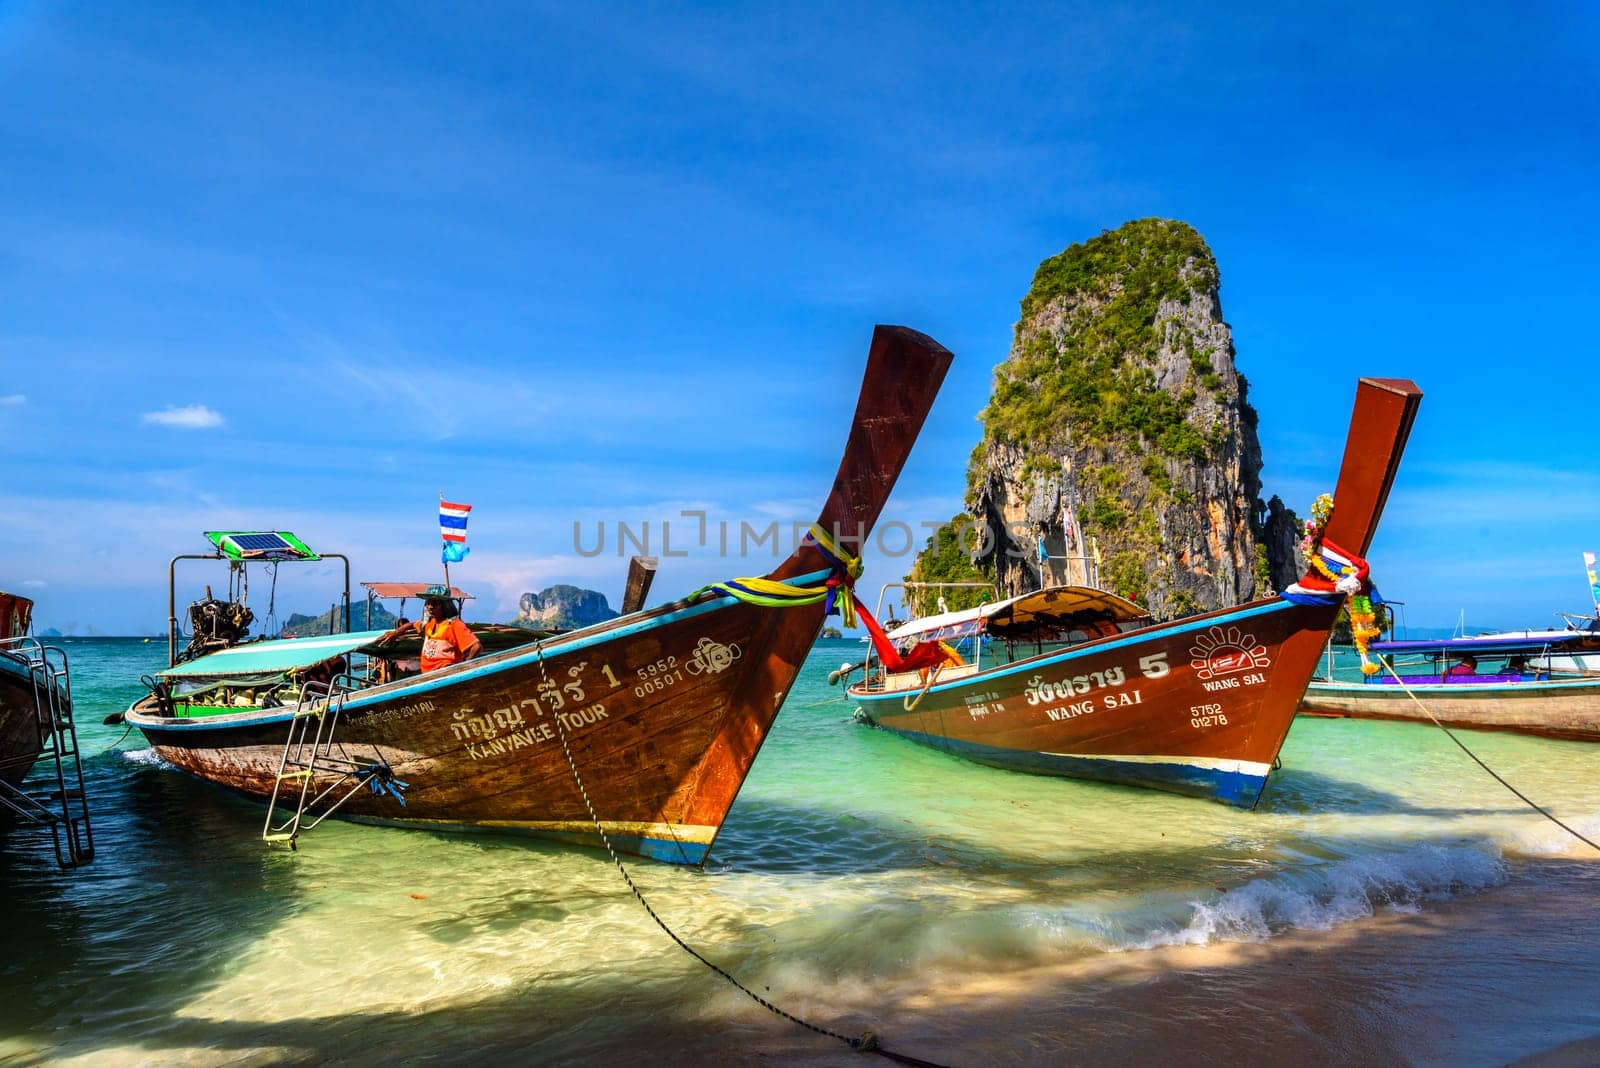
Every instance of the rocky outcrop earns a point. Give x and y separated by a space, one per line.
1119 447
1280 539
563 608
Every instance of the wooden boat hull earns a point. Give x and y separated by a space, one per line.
21 740
1554 708
663 723
663 711
1198 707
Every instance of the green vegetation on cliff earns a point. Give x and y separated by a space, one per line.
1097 377
947 557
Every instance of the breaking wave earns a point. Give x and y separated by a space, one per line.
1318 898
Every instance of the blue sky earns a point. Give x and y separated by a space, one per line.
308 266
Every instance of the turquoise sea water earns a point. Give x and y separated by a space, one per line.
855 871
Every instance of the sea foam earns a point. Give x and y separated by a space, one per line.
146 757
1548 840
1318 898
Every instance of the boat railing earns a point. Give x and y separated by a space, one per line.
65 809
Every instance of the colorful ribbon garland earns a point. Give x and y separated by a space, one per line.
1335 574
838 591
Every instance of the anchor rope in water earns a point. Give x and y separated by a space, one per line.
867 1043
1451 735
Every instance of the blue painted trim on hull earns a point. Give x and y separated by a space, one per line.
1230 787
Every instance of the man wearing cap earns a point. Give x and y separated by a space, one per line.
445 639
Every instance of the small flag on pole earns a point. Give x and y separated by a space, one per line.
453 530
1594 580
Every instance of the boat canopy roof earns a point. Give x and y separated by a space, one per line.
1053 608
272 545
1490 644
275 657
416 589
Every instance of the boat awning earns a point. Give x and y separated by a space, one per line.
271 657
416 589
260 545
1490 644
1057 607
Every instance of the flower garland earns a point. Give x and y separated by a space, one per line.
1349 578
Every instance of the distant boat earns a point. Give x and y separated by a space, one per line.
1487 682
36 721
1198 706
652 718
1574 650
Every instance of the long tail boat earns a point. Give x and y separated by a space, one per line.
1488 682
21 739
647 723
1196 706
36 722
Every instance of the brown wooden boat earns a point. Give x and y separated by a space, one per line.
21 739
1197 706
648 722
36 722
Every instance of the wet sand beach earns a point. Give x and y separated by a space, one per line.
1511 974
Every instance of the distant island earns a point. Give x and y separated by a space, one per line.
304 626
563 607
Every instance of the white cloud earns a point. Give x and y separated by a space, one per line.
191 417
13 400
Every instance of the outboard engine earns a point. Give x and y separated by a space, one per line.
215 624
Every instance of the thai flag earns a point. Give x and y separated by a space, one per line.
453 520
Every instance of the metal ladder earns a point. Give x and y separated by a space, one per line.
64 810
308 752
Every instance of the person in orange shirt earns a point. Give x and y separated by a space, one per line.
445 639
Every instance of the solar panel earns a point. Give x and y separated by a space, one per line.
260 545
259 542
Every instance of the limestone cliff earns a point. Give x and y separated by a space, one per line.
563 608
1119 445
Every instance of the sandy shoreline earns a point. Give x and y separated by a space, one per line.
1508 974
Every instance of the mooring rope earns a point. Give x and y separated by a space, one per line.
867 1043
1451 735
